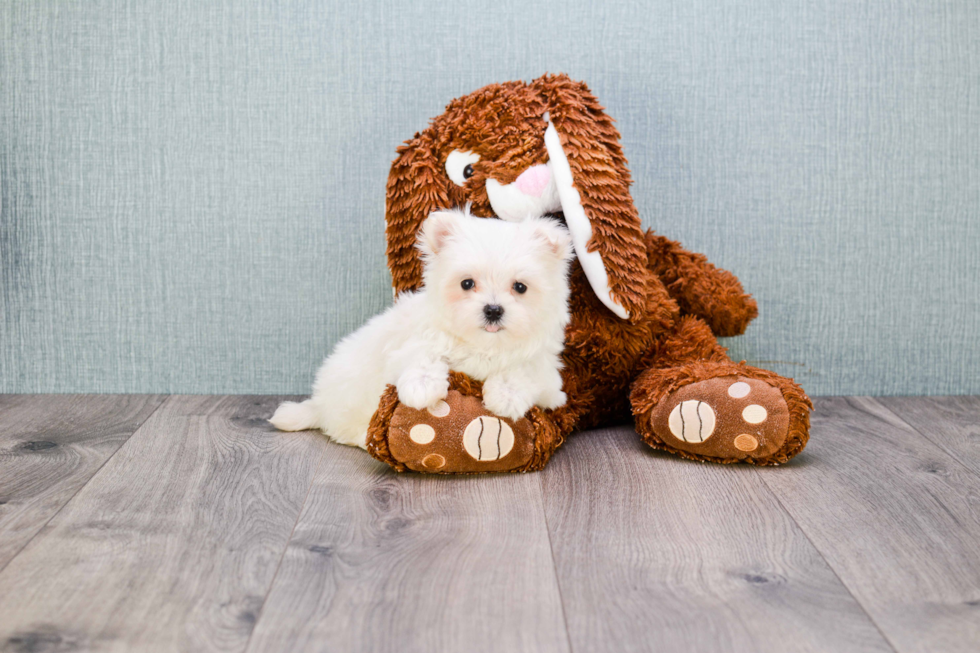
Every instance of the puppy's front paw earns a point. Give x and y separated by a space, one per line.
553 400
420 389
505 400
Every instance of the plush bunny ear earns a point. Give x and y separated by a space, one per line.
415 189
593 186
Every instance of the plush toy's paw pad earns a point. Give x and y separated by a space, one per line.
724 417
459 435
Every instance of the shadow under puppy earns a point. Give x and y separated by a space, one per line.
494 306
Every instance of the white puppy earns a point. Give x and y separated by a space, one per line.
494 306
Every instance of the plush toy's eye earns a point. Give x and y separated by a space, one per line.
519 288
467 284
459 166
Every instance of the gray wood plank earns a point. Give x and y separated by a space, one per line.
896 517
173 545
403 562
50 446
655 553
952 423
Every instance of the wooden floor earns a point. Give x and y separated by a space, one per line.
185 523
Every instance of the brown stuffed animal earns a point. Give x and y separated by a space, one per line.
645 312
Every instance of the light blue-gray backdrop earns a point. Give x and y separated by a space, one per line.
193 192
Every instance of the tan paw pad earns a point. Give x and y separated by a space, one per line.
692 421
488 438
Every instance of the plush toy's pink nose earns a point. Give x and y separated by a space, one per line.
534 180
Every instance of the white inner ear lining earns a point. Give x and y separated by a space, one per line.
578 223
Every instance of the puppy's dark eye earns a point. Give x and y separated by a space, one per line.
467 284
520 288
468 171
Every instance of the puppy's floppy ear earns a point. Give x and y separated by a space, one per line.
593 186
437 229
553 237
416 188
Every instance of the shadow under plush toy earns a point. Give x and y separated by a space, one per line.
645 313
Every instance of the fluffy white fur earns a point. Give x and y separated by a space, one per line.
443 326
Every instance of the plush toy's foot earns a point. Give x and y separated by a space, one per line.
723 412
459 436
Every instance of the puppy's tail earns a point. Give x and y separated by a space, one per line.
291 416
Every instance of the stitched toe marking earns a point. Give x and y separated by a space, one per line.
488 438
692 421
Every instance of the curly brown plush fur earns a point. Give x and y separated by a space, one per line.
677 302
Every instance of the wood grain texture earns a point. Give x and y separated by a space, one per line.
389 562
896 517
173 545
50 446
205 530
654 553
951 423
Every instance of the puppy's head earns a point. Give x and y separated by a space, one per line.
494 282
516 150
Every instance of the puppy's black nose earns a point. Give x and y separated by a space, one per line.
493 312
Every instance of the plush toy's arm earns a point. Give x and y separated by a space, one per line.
699 288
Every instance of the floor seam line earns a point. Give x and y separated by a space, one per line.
927 438
285 549
85 484
820 553
554 564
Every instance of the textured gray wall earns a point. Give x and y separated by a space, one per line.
193 192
